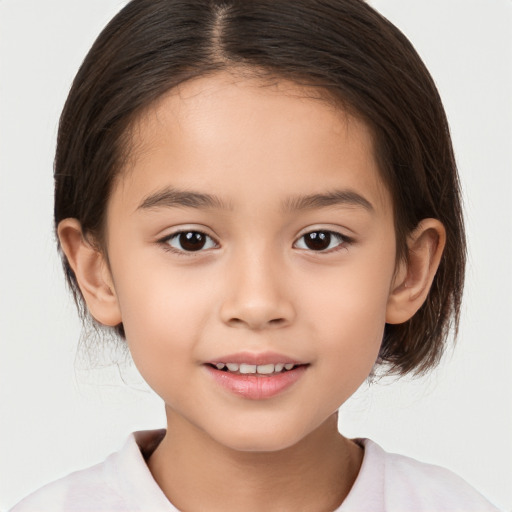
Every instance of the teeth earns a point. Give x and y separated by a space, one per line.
263 369
247 368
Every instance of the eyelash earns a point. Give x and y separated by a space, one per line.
321 235
166 242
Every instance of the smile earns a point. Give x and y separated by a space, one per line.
256 377
260 369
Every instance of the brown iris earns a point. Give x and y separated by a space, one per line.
317 240
192 240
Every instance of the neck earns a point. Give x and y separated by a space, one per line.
315 474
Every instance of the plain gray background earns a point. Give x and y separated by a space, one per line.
57 416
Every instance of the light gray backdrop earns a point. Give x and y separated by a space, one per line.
56 417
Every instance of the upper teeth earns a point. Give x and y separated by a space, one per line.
264 369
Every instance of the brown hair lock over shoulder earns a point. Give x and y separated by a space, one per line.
345 48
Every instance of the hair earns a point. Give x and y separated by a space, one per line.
342 47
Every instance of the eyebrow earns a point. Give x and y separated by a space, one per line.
172 198
333 198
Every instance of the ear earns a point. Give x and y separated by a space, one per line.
414 277
92 273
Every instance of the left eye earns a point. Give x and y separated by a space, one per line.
319 241
190 241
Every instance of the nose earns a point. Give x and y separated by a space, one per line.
257 294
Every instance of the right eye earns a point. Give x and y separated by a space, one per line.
190 241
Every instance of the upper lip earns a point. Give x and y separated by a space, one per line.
255 358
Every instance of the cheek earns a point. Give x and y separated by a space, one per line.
351 338
154 293
348 312
163 313
352 297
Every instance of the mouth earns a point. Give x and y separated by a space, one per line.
256 378
269 369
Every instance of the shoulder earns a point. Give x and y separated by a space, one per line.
389 482
120 483
87 489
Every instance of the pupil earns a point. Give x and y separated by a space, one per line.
192 241
318 240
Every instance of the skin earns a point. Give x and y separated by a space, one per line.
255 286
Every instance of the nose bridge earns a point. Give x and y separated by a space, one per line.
256 294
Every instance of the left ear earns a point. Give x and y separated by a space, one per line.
414 276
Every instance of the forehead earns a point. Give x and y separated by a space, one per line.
223 130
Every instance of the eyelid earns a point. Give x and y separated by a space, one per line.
334 231
171 231
345 240
178 230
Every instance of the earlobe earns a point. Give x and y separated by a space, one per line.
92 273
414 277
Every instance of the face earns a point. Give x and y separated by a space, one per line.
251 231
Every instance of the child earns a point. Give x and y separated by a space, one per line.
261 198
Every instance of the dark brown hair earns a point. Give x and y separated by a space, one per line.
343 47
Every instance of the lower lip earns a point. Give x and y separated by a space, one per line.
254 386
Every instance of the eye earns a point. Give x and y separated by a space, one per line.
320 241
190 241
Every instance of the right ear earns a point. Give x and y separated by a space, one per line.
92 273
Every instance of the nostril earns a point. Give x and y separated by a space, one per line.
253 324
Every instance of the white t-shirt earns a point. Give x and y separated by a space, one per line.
386 483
